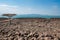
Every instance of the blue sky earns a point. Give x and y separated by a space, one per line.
42 7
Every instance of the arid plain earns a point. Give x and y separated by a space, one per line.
30 29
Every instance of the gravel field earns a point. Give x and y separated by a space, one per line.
30 29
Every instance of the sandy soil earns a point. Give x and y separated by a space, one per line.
30 29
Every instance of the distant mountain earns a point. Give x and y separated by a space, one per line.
32 16
35 16
3 17
28 16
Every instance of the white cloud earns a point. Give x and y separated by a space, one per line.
27 10
14 9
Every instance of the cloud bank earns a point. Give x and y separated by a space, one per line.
26 10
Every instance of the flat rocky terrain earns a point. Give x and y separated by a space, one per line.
30 29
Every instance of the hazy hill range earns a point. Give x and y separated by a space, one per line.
35 16
32 16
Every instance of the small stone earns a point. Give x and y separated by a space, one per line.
55 38
47 38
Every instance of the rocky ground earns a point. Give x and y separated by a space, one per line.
30 29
